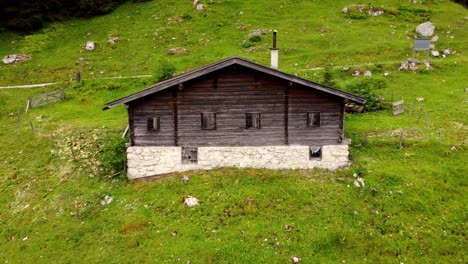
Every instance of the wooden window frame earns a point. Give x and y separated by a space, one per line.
208 120
314 119
153 123
253 120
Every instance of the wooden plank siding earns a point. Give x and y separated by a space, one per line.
303 101
231 93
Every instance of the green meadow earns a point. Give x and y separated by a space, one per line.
55 160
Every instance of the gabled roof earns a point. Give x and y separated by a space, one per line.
223 64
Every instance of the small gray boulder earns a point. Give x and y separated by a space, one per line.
426 29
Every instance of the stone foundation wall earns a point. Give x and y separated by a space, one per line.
150 161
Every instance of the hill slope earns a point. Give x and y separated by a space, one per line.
412 210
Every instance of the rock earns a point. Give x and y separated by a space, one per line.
9 59
288 228
427 65
375 13
386 74
404 66
295 259
185 179
410 64
446 51
258 32
13 58
345 10
359 183
420 99
426 29
200 7
431 46
112 40
435 53
176 50
107 200
190 201
413 66
90 45
434 39
356 73
367 74
345 68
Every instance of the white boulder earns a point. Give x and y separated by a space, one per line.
90 45
9 59
190 201
426 29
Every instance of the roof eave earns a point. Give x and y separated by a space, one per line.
224 63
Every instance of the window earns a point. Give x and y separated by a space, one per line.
189 155
313 119
315 153
253 120
153 123
208 121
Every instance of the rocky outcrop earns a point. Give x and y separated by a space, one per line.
13 58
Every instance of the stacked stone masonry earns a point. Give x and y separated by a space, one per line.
151 161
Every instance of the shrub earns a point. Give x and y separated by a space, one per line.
255 38
112 155
366 87
165 70
247 44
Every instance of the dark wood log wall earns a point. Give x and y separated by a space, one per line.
231 93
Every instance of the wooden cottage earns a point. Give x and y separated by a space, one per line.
235 113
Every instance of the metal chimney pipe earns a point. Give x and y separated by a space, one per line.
274 53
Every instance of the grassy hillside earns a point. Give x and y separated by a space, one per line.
412 210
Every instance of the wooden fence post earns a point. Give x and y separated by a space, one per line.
420 112
78 76
19 120
401 139
32 126
426 122
440 135
410 109
27 105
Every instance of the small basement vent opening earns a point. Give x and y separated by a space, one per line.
315 153
189 155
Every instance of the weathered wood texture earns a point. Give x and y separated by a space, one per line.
231 93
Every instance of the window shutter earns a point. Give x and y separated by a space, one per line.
208 121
